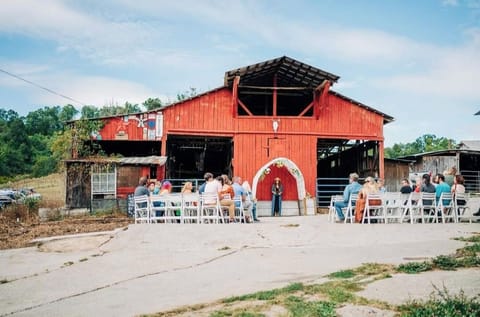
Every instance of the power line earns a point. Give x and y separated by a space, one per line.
41 87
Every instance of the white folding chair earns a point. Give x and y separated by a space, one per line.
332 213
395 205
191 208
158 206
460 203
445 207
373 210
239 210
414 207
141 209
173 210
210 208
429 207
350 210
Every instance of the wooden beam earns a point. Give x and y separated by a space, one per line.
310 106
275 88
244 107
275 95
236 81
320 97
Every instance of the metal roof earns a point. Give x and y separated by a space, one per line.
289 72
133 160
147 160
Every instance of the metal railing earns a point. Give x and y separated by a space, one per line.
472 181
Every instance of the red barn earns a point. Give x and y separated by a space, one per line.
275 118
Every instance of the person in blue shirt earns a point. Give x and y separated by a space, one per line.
442 187
352 188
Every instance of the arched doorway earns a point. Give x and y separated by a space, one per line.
268 170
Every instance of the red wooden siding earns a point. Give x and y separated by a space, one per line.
210 114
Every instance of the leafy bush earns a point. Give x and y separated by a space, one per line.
443 304
415 267
446 262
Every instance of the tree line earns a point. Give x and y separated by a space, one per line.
35 145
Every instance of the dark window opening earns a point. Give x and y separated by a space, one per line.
338 158
289 102
131 148
190 157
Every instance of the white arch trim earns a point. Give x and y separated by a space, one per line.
292 169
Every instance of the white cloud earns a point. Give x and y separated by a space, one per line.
450 3
95 90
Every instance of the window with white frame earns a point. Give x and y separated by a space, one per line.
104 180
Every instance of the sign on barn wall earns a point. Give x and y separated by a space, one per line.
159 125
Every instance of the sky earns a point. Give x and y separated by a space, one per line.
417 61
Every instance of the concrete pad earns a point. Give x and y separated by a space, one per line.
405 287
156 267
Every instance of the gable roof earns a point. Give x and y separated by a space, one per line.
289 72
473 145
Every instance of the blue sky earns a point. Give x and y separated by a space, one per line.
418 61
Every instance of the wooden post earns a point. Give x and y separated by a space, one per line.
381 157
275 95
236 81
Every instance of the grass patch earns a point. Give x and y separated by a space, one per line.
342 274
474 238
446 262
338 291
299 299
443 304
297 306
374 269
4 281
266 295
415 267
225 248
83 259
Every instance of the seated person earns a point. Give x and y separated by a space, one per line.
352 188
369 187
406 188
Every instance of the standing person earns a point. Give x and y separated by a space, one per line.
352 188
450 175
277 191
248 190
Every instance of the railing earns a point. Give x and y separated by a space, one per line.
326 187
472 181
178 183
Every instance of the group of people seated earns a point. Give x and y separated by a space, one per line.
448 182
228 192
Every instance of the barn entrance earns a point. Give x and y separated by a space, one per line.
338 158
189 157
293 184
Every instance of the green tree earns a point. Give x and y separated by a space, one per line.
152 103
192 92
43 121
89 112
424 143
67 113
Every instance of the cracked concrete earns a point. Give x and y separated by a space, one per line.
151 268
